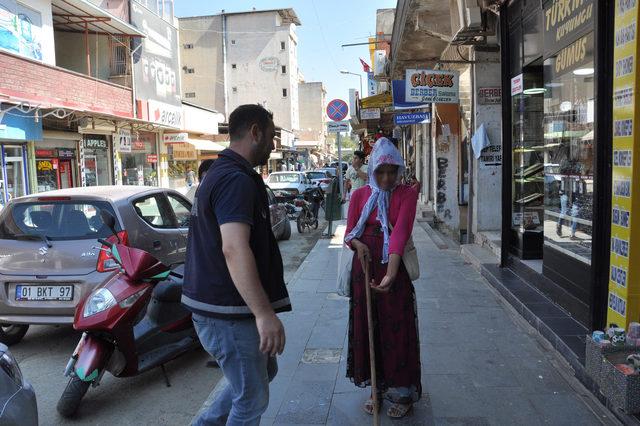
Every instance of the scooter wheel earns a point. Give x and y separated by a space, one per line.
300 223
70 399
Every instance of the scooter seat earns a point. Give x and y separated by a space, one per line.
168 291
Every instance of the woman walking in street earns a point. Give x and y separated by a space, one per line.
379 224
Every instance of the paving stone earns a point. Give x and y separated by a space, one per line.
563 409
306 402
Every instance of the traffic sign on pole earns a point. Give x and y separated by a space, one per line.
337 110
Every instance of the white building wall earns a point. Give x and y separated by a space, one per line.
254 47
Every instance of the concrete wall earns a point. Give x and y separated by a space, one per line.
118 8
384 20
312 102
258 57
206 59
487 191
70 53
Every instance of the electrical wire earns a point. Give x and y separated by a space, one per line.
324 39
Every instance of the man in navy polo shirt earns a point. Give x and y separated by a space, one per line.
234 283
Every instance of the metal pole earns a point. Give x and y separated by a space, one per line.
361 93
86 48
340 164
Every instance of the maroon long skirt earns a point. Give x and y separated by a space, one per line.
395 329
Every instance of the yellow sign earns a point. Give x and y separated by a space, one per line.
184 152
624 275
44 166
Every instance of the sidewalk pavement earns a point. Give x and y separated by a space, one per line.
481 363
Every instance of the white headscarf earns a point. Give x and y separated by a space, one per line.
384 152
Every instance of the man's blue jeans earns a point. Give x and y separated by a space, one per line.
235 344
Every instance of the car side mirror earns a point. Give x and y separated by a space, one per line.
109 220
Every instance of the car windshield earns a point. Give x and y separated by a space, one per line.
284 178
316 175
55 220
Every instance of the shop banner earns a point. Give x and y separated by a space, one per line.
152 158
371 85
166 114
369 113
123 136
15 124
175 137
432 86
489 96
66 153
565 21
21 29
577 57
184 152
623 303
95 142
412 118
156 63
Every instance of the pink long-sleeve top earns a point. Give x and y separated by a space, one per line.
402 213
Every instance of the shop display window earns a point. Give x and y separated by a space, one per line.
15 183
139 167
569 109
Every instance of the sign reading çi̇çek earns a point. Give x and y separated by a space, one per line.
565 21
623 304
430 86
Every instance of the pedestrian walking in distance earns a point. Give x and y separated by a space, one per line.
379 224
234 283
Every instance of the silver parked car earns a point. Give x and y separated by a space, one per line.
18 404
49 256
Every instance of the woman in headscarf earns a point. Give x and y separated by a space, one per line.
379 224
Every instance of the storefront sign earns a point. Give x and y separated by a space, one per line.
269 64
526 218
124 140
138 146
624 275
16 124
156 63
412 118
578 55
370 113
489 95
517 85
184 152
44 165
93 142
338 127
565 21
152 158
66 153
175 137
432 86
371 85
162 113
45 153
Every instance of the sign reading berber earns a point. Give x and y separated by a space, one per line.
431 86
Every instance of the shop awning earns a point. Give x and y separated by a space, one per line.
205 145
81 15
377 101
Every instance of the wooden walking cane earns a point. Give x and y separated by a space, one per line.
372 349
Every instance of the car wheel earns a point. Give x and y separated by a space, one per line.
70 399
12 333
286 234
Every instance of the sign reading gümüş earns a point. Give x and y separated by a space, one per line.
431 86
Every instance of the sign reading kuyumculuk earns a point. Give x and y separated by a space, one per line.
163 113
412 118
431 86
123 136
338 127
370 113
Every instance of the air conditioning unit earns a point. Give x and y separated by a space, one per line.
466 20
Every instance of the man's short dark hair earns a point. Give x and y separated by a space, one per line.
359 154
245 116
204 167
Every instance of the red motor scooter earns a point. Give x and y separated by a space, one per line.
130 324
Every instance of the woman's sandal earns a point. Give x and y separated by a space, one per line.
398 411
368 406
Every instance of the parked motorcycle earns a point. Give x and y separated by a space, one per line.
132 323
309 202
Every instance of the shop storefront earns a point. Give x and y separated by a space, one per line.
56 164
140 166
96 160
556 222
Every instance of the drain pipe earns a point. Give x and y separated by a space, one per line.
470 151
224 66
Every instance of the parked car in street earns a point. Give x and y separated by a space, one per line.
18 404
49 259
345 166
319 178
279 220
294 182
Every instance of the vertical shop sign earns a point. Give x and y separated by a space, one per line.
124 140
624 276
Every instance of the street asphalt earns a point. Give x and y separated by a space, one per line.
141 400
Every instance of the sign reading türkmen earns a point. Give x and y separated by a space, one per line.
431 86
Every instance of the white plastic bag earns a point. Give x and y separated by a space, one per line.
344 271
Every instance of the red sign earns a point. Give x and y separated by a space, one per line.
138 146
44 153
152 158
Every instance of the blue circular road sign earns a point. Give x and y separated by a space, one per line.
337 110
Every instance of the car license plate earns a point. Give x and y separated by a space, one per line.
44 292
